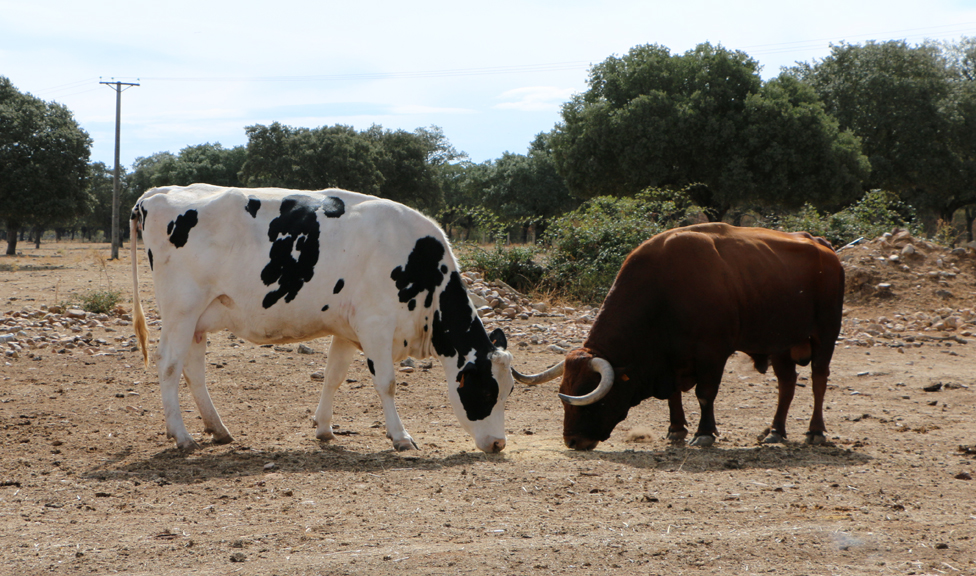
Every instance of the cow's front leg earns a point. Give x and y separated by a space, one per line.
341 353
194 370
385 382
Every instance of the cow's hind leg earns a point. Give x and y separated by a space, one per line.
678 428
194 370
174 345
785 370
341 353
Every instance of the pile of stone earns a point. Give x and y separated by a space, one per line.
26 332
499 304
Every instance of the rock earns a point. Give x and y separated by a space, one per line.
317 376
477 300
908 251
76 313
303 349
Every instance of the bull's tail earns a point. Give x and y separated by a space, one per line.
142 332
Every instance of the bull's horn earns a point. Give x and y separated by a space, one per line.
550 374
605 370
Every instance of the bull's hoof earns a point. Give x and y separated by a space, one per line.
774 438
405 444
702 440
816 438
677 437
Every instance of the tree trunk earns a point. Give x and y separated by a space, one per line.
38 231
12 232
970 218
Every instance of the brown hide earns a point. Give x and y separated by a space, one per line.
688 298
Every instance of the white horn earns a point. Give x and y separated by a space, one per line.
605 370
533 379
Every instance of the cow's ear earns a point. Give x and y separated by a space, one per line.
498 339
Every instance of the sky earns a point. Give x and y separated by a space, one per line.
491 75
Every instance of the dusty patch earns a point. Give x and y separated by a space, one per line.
90 484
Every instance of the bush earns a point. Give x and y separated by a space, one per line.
513 265
588 246
101 301
874 214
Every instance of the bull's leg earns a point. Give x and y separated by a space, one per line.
820 372
708 376
194 370
678 429
379 354
785 369
174 344
341 353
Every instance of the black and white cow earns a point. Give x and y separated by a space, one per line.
276 266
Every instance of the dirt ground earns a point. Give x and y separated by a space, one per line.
89 484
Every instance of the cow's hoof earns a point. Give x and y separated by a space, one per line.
774 438
702 440
188 445
225 438
405 444
816 438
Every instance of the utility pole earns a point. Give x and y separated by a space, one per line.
118 87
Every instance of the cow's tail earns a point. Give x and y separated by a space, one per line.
142 332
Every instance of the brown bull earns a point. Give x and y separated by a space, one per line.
686 300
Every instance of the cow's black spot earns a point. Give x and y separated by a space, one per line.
296 229
253 205
372 369
179 229
457 331
411 305
404 343
333 207
326 307
421 271
443 269
338 286
148 251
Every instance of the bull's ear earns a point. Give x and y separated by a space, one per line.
498 339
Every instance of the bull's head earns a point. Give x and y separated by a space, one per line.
595 398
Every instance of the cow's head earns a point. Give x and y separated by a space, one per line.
596 397
478 391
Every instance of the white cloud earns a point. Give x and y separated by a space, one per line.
534 98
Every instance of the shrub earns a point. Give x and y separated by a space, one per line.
100 301
874 214
588 246
513 265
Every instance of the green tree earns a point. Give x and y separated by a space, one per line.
326 157
650 118
913 113
43 163
99 219
527 188
408 175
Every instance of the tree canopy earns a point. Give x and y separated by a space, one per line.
913 109
650 118
43 163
